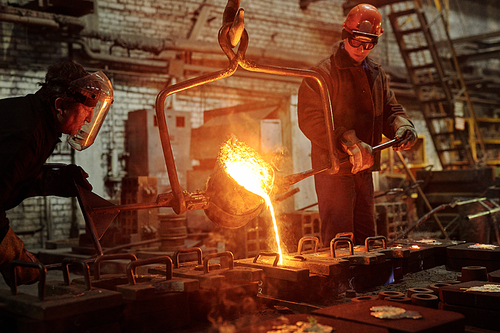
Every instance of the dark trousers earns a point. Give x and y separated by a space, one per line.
346 204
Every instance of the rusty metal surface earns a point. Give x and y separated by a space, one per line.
467 250
317 264
460 294
365 268
290 271
462 255
419 258
432 321
494 276
439 245
212 275
476 317
61 301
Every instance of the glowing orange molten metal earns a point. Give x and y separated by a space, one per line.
249 170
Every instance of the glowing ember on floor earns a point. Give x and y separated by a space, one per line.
483 246
249 170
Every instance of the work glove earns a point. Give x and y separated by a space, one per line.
408 135
12 248
60 181
360 153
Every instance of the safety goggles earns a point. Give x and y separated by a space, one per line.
358 38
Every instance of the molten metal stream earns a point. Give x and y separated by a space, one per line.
245 166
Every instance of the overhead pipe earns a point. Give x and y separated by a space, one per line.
40 19
32 21
56 22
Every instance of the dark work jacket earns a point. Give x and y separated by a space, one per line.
361 102
28 136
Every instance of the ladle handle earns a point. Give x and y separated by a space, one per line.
379 147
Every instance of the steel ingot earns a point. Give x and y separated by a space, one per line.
230 204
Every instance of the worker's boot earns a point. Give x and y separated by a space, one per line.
12 248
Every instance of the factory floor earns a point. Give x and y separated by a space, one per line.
265 310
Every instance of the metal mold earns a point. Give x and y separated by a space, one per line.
62 307
465 254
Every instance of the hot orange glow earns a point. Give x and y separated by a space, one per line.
483 246
249 170
415 247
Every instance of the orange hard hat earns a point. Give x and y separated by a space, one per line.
364 19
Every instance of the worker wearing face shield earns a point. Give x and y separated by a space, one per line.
364 107
70 101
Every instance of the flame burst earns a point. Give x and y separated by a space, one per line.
249 170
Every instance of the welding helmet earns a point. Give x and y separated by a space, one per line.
93 90
363 25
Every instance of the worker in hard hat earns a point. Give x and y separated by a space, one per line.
70 101
364 107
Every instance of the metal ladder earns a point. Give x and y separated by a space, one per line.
438 83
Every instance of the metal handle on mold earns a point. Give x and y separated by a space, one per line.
218 255
268 254
193 249
41 279
335 241
371 240
85 269
105 257
142 262
305 239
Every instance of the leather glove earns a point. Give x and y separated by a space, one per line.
12 248
360 153
409 136
61 181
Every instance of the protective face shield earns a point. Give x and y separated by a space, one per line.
363 26
93 90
